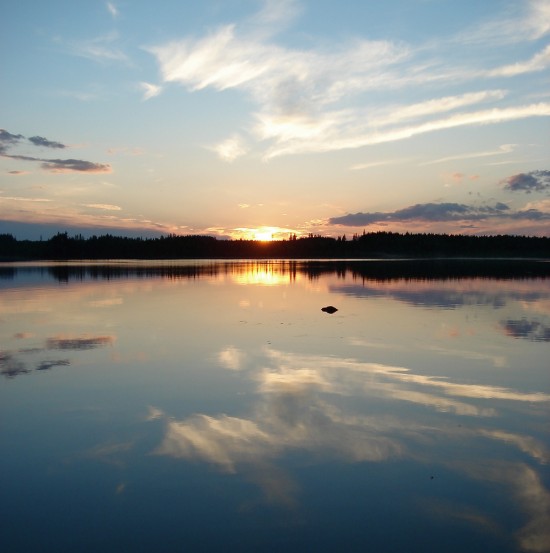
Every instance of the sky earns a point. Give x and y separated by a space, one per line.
265 118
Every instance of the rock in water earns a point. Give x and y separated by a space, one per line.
329 309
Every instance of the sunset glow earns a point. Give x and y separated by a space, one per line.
264 119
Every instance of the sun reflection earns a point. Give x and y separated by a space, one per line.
267 275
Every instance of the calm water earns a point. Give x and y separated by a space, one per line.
215 407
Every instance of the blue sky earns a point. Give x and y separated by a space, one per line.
259 118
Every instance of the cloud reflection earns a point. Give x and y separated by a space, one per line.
11 367
79 343
533 330
12 364
300 408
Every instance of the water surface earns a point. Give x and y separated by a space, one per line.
213 406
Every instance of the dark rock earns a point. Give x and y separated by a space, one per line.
329 309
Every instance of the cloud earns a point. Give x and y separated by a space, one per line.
41 141
231 149
106 207
528 182
370 164
435 106
503 149
150 90
317 99
112 9
538 62
435 212
22 199
100 49
74 165
7 140
340 131
518 24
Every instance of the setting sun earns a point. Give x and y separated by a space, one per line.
263 235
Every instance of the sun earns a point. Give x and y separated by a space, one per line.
263 235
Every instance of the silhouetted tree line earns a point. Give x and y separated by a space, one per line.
377 245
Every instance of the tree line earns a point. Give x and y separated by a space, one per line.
377 245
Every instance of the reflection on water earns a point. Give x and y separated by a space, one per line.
214 406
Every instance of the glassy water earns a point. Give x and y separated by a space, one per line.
215 407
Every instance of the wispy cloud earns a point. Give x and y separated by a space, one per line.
522 21
538 62
150 90
112 9
231 149
502 150
101 49
317 100
105 207
341 134
371 164
22 199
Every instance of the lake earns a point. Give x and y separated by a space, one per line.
213 406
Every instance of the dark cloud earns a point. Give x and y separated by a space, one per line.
79 343
534 331
8 139
78 165
535 181
430 212
41 141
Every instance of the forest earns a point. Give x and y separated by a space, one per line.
376 245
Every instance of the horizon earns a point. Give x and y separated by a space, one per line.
261 119
291 237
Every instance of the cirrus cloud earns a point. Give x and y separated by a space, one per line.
319 99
